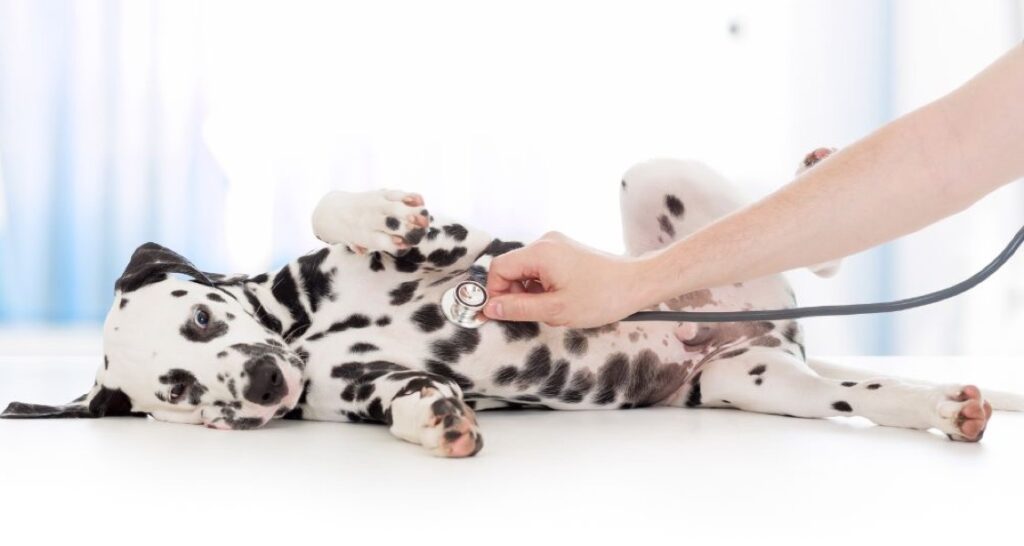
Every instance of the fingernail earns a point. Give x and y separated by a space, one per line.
495 310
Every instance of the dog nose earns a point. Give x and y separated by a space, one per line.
266 383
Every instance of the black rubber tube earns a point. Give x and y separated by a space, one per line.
837 310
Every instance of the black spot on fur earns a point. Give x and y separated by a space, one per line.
432 233
286 292
315 282
464 341
582 382
414 236
694 398
505 375
666 225
364 391
675 206
392 223
642 380
444 258
404 293
410 261
353 371
791 331
515 331
213 296
353 321
733 353
222 354
112 402
444 370
497 247
874 386
428 318
849 383
363 348
376 262
268 320
537 368
456 231
556 381
383 320
178 376
575 342
179 293
758 381
842 406
124 301
376 412
758 370
613 375
106 362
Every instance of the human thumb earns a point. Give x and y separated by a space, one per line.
525 306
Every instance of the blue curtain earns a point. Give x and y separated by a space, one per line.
100 150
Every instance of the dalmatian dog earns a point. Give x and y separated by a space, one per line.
354 332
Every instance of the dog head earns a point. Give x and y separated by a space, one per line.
183 350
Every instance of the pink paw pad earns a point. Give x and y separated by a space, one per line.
973 415
461 438
816 156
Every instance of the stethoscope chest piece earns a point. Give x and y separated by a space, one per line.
464 303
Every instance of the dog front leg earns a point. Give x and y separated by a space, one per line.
398 224
418 407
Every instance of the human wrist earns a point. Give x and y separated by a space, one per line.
658 277
644 281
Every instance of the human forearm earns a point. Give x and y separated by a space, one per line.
925 166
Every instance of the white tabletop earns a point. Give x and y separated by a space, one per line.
621 476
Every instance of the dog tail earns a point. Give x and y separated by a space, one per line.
1000 400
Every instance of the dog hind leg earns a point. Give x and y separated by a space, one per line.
771 381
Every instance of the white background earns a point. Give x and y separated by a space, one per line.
518 118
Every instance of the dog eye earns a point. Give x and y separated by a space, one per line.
201 318
177 391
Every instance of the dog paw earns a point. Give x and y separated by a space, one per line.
383 220
451 429
440 422
963 414
813 158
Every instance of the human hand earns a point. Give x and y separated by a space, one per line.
560 282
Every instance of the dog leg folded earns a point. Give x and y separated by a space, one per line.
419 407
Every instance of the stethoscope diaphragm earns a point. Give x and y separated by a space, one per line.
463 304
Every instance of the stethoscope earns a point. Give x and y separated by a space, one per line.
463 303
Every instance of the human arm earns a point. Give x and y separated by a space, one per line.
920 168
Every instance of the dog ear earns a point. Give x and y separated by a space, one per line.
151 263
99 402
